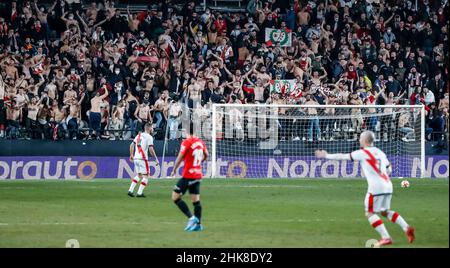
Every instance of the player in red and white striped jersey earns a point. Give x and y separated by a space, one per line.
376 168
139 148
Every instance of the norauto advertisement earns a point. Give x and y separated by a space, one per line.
86 168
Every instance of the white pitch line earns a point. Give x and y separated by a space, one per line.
211 221
67 223
165 222
152 184
141 223
171 186
261 186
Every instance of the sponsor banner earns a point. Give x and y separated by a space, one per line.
311 167
278 36
86 168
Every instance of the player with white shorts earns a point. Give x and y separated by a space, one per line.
141 166
377 203
375 167
139 148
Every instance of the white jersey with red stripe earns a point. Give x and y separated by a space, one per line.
142 142
374 166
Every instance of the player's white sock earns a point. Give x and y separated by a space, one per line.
142 186
134 182
395 217
378 225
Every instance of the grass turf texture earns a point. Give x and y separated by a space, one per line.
236 213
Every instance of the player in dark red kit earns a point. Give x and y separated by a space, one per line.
193 151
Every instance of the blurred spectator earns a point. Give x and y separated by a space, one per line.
74 70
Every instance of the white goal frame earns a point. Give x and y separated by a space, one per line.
216 106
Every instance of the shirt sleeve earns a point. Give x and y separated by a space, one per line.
385 164
183 147
150 141
338 156
386 161
358 155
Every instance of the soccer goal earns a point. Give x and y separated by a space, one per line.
270 141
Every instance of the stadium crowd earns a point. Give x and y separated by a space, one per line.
73 71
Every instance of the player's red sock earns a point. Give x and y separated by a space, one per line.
142 186
378 225
395 217
134 182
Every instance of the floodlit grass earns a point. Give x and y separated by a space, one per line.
236 213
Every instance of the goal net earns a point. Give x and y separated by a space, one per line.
279 141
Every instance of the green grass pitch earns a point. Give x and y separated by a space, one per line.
236 213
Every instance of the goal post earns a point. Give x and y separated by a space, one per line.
279 141
214 119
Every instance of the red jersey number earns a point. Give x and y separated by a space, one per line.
198 157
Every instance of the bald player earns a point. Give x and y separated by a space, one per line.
376 168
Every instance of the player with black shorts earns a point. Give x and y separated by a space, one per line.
193 151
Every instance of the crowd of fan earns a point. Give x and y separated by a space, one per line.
72 72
